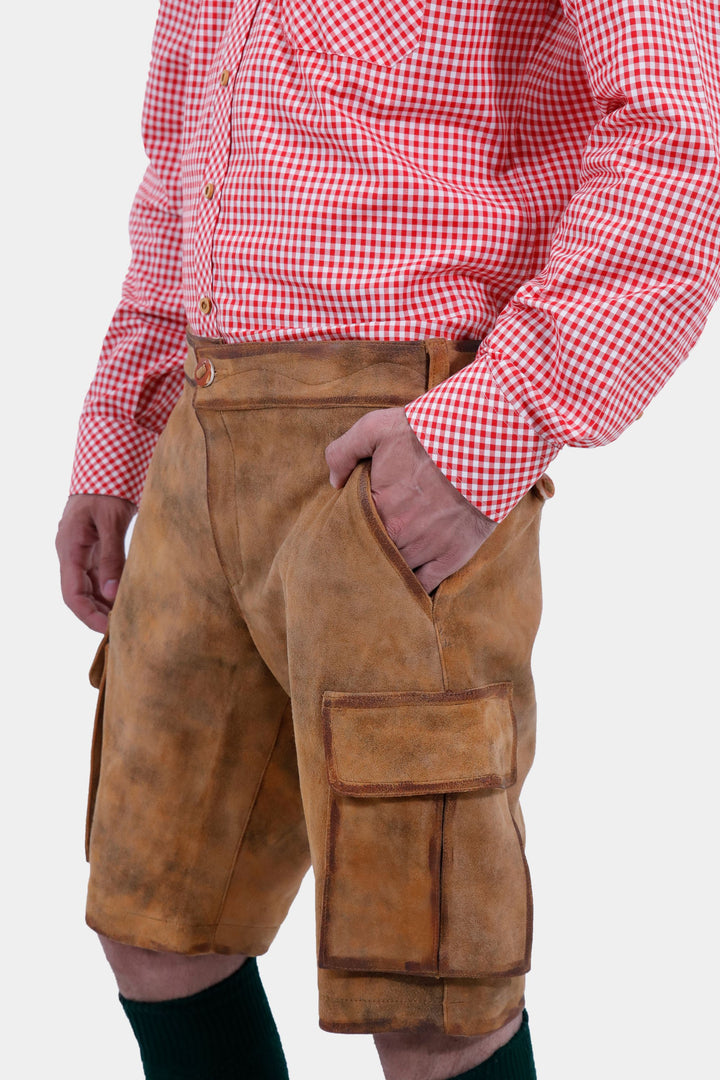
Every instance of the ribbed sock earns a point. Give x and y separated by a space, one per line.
513 1061
226 1032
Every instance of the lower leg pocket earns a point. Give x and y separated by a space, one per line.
425 872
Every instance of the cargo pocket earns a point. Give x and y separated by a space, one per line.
425 871
379 32
97 675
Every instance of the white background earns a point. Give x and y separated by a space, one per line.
621 805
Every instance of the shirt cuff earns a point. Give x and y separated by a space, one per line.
111 458
483 445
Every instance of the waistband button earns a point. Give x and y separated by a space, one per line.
204 373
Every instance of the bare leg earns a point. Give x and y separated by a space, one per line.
407 1055
145 975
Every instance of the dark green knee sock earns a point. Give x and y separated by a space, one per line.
513 1061
226 1032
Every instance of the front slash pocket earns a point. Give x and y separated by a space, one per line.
360 484
379 32
97 676
425 871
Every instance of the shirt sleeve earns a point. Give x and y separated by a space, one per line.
633 269
139 374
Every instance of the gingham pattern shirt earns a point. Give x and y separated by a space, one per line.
538 175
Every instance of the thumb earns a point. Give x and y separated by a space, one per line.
358 442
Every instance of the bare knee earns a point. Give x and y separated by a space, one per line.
146 975
409 1055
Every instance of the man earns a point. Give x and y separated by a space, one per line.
344 201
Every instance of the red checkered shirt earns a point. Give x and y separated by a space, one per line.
539 175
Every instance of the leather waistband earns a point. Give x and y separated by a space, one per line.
440 357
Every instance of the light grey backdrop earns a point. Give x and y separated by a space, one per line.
621 806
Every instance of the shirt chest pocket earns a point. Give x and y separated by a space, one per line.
381 32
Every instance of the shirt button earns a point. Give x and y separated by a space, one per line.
225 78
206 305
209 191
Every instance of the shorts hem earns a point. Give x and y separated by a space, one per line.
164 935
385 1019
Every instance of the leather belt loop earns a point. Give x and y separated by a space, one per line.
438 354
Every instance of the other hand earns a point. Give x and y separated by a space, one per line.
434 527
90 544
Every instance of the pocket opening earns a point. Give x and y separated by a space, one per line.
383 541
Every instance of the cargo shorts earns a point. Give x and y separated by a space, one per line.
277 691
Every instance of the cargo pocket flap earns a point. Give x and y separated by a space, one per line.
416 743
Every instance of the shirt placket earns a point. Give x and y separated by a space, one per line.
219 144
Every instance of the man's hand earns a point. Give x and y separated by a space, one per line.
90 544
435 529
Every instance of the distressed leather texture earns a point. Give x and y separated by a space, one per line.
278 690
